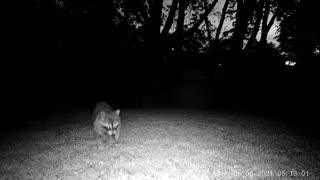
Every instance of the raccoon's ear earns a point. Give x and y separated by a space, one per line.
117 112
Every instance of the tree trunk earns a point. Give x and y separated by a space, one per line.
265 25
154 23
256 25
267 29
240 27
155 16
180 34
244 11
264 31
170 18
181 15
208 23
223 15
202 18
183 4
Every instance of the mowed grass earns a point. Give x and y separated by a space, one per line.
160 144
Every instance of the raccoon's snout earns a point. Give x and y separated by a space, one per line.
110 132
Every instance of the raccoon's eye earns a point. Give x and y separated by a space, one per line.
108 127
116 125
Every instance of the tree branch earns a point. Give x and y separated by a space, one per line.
202 18
170 18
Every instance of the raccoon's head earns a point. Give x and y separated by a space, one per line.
112 122
116 119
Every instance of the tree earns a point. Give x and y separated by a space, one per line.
168 24
244 11
266 26
223 15
257 22
208 25
299 38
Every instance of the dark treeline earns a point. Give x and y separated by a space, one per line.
137 52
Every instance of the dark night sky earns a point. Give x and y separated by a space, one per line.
51 64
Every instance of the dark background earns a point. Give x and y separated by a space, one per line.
66 62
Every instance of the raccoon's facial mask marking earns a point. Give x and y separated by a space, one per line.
111 126
112 131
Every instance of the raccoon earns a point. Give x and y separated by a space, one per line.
106 122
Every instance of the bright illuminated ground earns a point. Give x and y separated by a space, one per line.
160 144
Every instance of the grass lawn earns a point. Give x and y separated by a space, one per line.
160 144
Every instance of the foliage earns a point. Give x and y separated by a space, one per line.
141 22
299 35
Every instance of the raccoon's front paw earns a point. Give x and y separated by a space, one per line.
100 141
